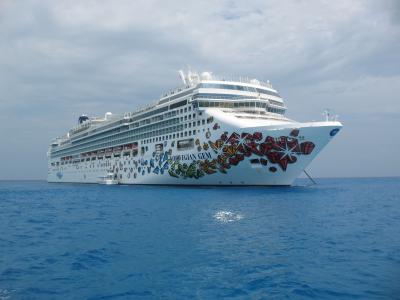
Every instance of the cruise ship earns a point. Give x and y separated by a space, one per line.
209 131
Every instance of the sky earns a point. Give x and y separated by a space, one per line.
59 59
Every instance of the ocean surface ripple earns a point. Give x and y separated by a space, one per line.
339 239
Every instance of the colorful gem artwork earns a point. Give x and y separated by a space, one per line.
230 150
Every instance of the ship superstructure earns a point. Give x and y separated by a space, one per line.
210 131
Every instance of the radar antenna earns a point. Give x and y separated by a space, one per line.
327 114
182 75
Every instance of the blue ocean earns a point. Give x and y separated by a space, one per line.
339 239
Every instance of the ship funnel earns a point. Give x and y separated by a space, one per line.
83 118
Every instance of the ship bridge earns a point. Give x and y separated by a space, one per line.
237 96
206 90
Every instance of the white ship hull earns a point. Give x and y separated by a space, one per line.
223 154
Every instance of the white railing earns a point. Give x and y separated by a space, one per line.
242 80
198 79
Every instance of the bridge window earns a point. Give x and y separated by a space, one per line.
185 144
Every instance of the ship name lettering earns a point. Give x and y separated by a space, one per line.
204 155
201 155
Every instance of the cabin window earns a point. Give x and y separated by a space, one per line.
159 148
185 144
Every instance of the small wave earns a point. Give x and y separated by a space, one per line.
227 216
5 294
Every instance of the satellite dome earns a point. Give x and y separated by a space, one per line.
206 76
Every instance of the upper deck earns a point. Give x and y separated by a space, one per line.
204 91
